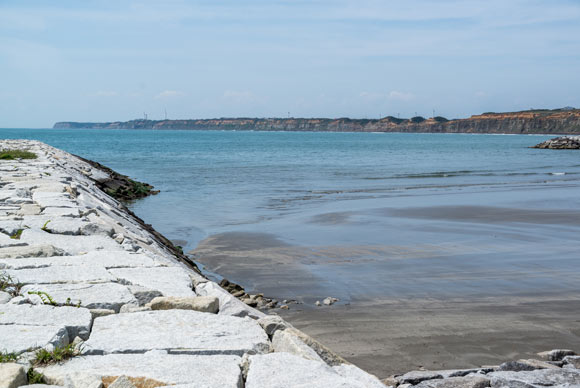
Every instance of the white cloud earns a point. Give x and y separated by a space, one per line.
105 93
372 96
239 96
170 94
401 96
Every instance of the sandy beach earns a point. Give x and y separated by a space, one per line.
464 302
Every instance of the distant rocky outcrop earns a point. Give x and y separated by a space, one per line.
557 121
561 143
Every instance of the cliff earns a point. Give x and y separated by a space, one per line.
558 121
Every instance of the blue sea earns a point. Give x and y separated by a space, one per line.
360 210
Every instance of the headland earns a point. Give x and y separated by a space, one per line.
557 121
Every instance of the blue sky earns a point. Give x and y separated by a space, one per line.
114 60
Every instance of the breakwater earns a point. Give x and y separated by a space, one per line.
92 298
525 122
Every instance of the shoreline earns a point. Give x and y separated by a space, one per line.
558 121
85 274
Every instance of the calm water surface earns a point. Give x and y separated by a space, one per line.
438 193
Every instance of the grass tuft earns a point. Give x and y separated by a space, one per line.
35 377
8 357
17 234
9 285
58 354
8 154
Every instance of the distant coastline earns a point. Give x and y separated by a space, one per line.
556 121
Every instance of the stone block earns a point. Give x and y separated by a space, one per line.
177 331
170 281
205 304
277 370
174 370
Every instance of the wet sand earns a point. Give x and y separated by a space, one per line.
450 287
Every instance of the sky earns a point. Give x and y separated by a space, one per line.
97 60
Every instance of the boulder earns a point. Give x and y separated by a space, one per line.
457 382
21 338
286 341
12 375
29 250
536 378
573 360
273 323
556 354
5 297
170 281
177 331
200 371
61 274
76 321
415 377
109 296
229 305
122 382
204 304
106 259
277 370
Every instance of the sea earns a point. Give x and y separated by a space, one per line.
368 214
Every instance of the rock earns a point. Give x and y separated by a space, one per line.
76 321
317 303
536 378
133 308
109 296
573 360
200 371
122 382
5 297
72 245
457 382
61 274
286 341
273 323
330 301
390 381
41 386
12 375
561 143
170 281
106 259
205 304
17 252
326 354
284 307
537 364
250 302
229 305
144 295
286 370
177 331
29 210
556 354
20 338
415 377
516 366
95 313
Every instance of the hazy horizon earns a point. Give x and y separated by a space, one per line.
99 61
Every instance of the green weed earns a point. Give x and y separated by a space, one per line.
35 377
8 154
45 227
8 357
58 354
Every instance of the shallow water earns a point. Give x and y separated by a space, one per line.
365 215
